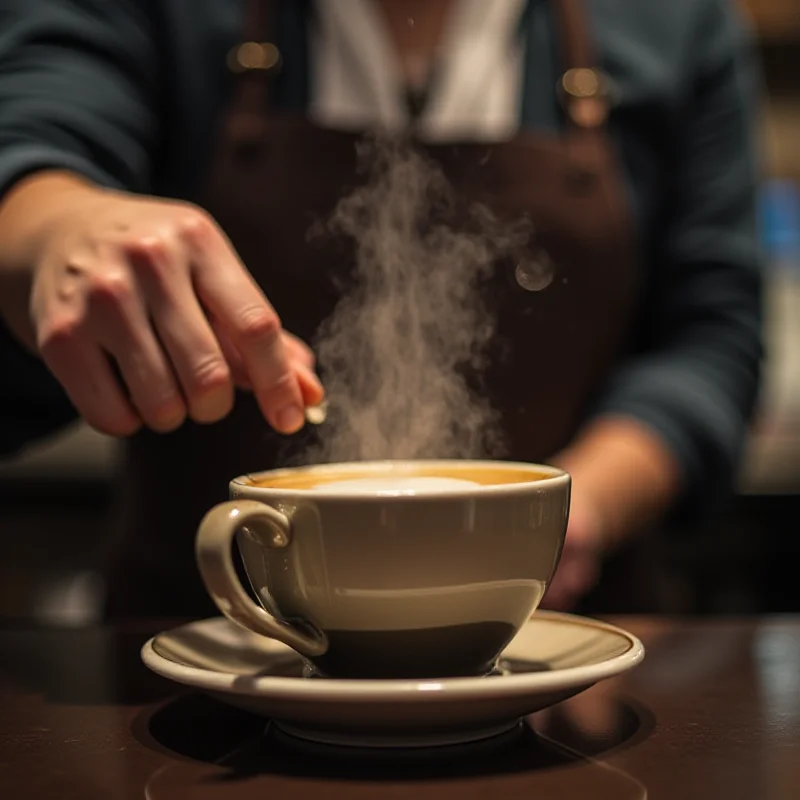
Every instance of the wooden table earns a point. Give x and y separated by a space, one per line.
713 712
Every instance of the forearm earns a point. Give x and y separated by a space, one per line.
625 472
29 213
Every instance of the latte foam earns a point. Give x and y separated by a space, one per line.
410 485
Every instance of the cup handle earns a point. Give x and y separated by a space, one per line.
213 550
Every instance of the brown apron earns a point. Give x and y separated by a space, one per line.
273 174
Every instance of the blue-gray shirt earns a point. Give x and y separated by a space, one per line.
127 92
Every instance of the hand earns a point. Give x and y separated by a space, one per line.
156 287
623 477
579 568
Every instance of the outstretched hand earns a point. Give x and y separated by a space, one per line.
154 288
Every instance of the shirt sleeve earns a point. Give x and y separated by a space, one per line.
78 91
694 379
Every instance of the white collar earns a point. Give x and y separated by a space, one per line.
355 82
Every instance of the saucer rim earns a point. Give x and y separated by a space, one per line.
365 691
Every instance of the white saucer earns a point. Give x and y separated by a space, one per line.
555 656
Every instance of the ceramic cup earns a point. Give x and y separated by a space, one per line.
398 569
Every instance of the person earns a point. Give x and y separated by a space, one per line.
160 164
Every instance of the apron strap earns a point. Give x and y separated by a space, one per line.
574 34
256 60
583 92
583 88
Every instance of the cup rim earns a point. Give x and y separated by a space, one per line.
544 478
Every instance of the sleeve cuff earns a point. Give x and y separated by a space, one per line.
698 423
19 160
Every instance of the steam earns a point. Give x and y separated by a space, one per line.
402 354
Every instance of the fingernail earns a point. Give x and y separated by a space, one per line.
290 419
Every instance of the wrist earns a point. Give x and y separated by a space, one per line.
42 204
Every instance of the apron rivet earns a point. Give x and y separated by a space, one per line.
583 83
250 56
586 96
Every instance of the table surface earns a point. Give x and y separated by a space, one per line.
712 712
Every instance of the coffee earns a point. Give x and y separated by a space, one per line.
406 484
381 476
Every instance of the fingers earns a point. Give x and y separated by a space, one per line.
198 360
310 387
254 328
299 351
303 362
232 357
86 375
119 323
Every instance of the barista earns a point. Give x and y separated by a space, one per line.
159 164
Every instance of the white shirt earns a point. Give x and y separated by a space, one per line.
356 81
